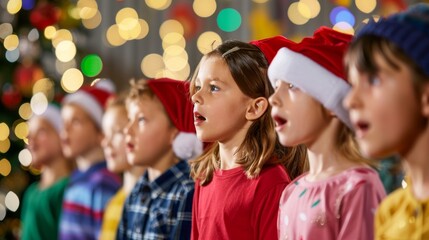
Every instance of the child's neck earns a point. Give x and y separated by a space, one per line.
323 156
417 159
162 165
228 156
131 177
57 169
85 161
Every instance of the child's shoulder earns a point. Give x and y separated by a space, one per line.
274 174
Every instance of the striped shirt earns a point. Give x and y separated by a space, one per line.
84 201
161 209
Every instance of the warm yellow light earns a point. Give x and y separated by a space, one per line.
125 13
204 8
158 4
113 37
151 64
93 22
13 6
129 29
11 201
173 38
5 167
61 35
21 130
295 15
144 29
4 131
11 42
25 111
208 41
4 145
309 8
170 26
175 58
366 6
72 80
50 32
65 51
24 157
39 103
87 8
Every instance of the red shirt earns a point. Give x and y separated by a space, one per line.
232 206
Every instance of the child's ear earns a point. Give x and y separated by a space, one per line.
425 100
256 108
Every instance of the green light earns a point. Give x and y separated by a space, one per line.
229 19
91 65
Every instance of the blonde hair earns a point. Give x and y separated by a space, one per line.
261 147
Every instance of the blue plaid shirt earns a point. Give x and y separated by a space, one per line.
161 209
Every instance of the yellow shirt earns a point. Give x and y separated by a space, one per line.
402 216
112 215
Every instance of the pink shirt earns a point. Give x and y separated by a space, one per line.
340 207
232 206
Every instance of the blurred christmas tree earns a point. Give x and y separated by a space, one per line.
38 46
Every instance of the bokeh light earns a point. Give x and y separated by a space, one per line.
60 36
173 38
341 14
4 145
144 29
175 58
33 35
50 32
91 65
72 80
11 201
260 1
344 27
229 20
13 6
113 37
93 22
44 85
366 6
61 67
5 30
204 8
28 4
295 16
158 4
2 212
5 167
24 157
208 41
124 14
65 51
170 26
4 131
21 130
151 64
309 8
39 103
87 8
12 56
25 111
127 20
11 42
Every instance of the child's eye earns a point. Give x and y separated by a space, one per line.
197 88
141 119
214 88
374 80
291 86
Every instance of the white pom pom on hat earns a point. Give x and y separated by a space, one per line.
92 98
174 96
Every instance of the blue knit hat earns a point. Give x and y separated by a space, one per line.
409 30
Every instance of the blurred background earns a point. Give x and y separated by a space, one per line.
52 47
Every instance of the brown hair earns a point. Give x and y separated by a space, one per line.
248 68
362 51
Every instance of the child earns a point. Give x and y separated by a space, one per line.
160 135
337 198
388 65
114 121
42 204
239 179
92 185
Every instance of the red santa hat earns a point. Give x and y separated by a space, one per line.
270 46
92 98
174 96
315 65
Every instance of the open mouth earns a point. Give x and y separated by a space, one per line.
361 128
198 117
279 121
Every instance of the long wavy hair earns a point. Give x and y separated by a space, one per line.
261 146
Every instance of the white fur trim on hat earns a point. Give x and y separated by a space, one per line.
187 146
310 77
88 103
105 84
53 115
